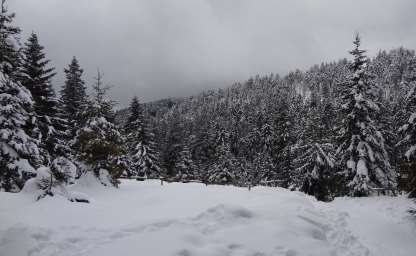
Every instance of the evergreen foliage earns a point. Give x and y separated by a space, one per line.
9 44
140 144
37 78
74 97
408 163
99 143
19 152
363 156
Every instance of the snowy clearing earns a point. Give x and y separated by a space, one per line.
145 218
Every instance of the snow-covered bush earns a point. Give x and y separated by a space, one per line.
41 185
52 181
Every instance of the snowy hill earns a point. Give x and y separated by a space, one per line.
145 218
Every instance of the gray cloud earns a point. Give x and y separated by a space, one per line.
163 48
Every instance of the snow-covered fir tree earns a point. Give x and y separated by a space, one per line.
19 152
74 97
314 159
222 171
19 155
264 171
202 145
185 167
408 143
283 140
140 143
362 153
36 76
172 146
98 143
9 43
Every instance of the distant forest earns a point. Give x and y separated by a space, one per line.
339 128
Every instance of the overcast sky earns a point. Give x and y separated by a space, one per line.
161 48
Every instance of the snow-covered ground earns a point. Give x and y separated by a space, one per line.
145 218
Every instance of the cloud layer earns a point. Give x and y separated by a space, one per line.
162 48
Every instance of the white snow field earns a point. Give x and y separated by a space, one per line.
145 218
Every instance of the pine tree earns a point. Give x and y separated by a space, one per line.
19 152
363 156
74 97
140 142
36 77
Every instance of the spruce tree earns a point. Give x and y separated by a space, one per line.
264 172
202 145
185 167
135 118
100 101
98 143
74 97
264 168
314 159
283 140
9 43
173 145
36 77
363 157
223 171
140 143
19 152
408 130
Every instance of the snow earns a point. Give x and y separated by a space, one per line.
412 118
362 168
351 164
410 152
145 218
23 165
